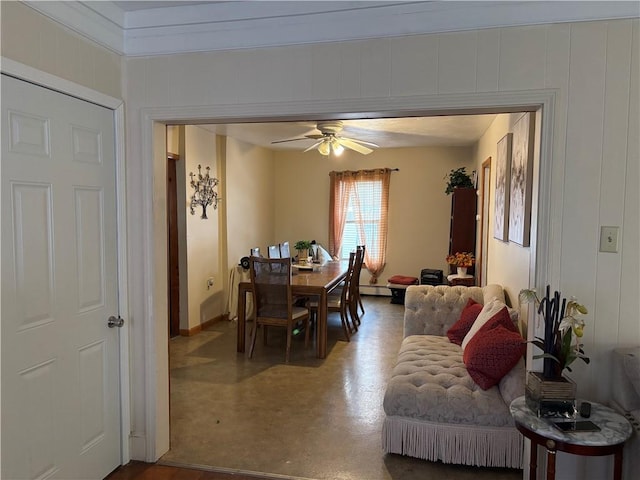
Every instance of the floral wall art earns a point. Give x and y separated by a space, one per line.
521 181
503 184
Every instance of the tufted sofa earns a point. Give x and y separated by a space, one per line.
433 408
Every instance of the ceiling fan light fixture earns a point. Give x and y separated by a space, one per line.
330 140
324 148
336 147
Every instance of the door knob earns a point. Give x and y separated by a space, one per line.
115 322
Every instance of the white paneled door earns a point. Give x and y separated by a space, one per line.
60 360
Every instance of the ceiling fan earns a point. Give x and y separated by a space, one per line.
329 140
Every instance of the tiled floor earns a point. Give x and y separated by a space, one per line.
311 418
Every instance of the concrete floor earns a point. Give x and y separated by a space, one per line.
311 418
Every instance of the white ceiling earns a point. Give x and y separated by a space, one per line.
461 130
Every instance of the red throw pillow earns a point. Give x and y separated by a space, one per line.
459 330
492 353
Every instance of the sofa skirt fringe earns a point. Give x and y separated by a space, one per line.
450 443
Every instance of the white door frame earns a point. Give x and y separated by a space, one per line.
153 160
44 79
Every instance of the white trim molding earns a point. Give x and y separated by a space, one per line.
156 29
153 192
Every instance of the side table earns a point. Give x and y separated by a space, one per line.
615 430
464 280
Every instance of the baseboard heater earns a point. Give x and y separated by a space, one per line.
375 290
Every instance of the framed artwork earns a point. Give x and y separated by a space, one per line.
503 184
521 180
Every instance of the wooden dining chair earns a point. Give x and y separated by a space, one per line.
356 274
340 303
273 251
271 287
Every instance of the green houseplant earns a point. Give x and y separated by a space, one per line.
302 246
458 178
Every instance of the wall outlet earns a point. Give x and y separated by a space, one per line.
209 282
609 239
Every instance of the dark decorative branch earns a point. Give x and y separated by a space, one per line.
204 194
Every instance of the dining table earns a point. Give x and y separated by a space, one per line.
317 281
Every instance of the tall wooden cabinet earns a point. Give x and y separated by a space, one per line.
462 234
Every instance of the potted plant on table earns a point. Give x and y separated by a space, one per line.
563 329
302 246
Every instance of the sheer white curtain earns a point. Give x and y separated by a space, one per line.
367 193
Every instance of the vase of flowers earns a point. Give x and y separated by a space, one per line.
563 329
462 261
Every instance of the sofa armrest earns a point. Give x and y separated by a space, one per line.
432 310
626 378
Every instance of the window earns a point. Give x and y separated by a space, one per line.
369 195
358 205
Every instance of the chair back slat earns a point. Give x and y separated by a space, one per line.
285 250
273 251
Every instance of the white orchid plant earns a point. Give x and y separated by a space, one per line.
562 323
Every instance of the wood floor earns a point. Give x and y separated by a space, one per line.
149 471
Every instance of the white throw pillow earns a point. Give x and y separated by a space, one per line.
490 308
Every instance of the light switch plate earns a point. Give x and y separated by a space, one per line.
609 239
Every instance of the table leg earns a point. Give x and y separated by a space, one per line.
551 464
242 321
617 464
533 461
321 343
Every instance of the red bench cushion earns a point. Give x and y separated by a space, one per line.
403 280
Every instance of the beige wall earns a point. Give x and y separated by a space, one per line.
202 236
250 199
31 38
419 210
508 263
589 164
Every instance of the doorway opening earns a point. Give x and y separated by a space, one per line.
540 101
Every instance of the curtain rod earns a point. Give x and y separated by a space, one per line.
370 170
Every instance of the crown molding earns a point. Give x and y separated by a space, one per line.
98 23
253 24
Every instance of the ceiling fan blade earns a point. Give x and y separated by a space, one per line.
315 145
289 140
306 137
362 142
348 143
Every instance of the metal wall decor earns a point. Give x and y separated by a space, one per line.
205 193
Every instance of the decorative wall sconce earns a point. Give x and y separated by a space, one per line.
204 194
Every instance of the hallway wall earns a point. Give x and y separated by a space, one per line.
31 38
